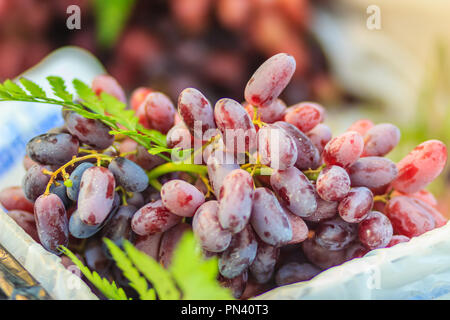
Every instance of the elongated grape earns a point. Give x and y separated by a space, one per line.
96 195
236 285
75 177
335 234
375 231
89 131
128 174
319 136
153 218
35 181
169 242
207 229
218 169
269 114
409 217
181 198
295 272
138 96
361 126
13 198
424 195
61 191
118 228
380 140
375 173
159 111
235 200
295 191
51 222
356 205
263 266
333 183
276 147
149 244
396 239
179 137
239 255
299 227
146 160
26 221
52 148
344 150
325 210
106 83
305 115
421 166
308 156
194 107
238 131
268 218
269 80
321 257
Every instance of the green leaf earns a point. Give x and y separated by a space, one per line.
191 272
137 282
33 88
13 89
117 109
88 96
161 279
59 88
109 289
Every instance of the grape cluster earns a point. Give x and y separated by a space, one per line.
278 201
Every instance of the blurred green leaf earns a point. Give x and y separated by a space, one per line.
111 17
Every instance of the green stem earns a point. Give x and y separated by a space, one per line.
174 167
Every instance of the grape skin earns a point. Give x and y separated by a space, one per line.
375 231
146 160
181 198
333 183
179 137
421 166
335 234
295 191
153 218
96 195
26 221
268 218
380 140
208 230
355 250
61 192
269 114
138 96
299 227
361 126
305 115
159 111
319 136
217 171
396 239
52 148
325 210
75 177
51 222
235 200
149 244
118 227
13 198
409 217
269 80
322 257
106 83
239 255
355 207
263 266
169 242
128 174
35 181
344 150
295 272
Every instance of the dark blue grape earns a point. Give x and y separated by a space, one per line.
128 174
75 176
52 148
35 181
61 192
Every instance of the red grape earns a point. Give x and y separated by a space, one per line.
159 111
356 205
179 137
269 80
396 239
344 150
375 231
218 169
169 243
153 218
355 250
322 257
420 166
333 183
361 126
269 114
35 181
138 96
276 147
319 136
299 227
380 140
13 198
335 234
75 177
181 198
109 85
146 160
26 221
305 115
325 210
149 244
263 266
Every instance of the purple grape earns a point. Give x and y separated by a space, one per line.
52 148
149 244
208 230
75 177
118 227
335 234
299 227
153 218
375 173
295 272
35 181
181 198
146 160
96 258
169 242
239 255
51 222
320 136
236 285
321 257
325 210
89 131
263 266
235 200
355 250
218 170
356 205
268 218
96 195
308 156
333 183
61 192
179 137
295 190
128 174
344 150
276 147
137 200
375 231
380 140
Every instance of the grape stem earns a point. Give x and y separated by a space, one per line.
74 160
174 167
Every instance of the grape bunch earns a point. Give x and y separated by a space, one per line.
264 187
